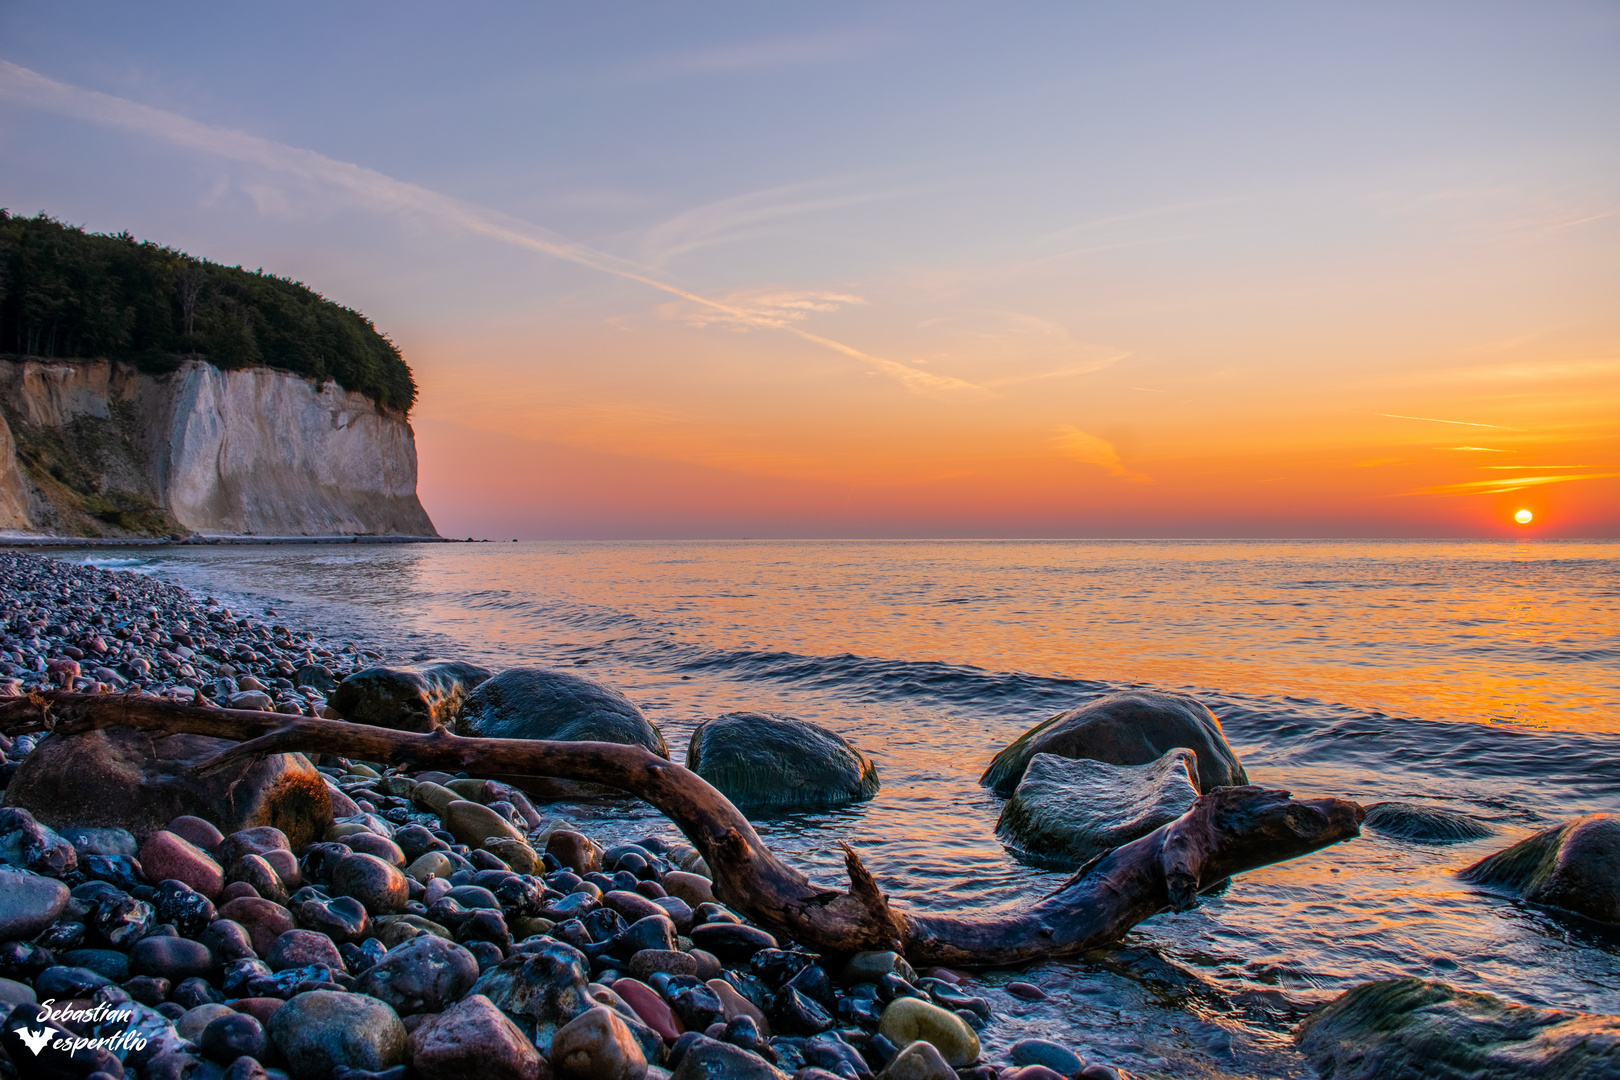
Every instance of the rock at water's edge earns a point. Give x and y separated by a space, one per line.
1423 824
1575 866
1067 810
761 760
407 699
1407 1028
1132 728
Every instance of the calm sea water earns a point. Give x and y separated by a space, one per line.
1481 676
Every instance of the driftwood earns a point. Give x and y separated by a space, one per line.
1227 831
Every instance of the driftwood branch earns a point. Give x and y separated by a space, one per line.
1228 831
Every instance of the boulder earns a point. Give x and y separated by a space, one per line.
762 761
1575 866
543 703
28 903
322 1031
1067 810
423 975
143 780
597 1045
539 991
27 844
1411 1027
1133 728
1422 824
407 699
709 1059
907 1019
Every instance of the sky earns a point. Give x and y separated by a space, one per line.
904 269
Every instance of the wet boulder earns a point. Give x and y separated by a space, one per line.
1067 810
1575 866
764 761
539 991
26 843
407 699
1133 728
1411 1027
1422 824
143 780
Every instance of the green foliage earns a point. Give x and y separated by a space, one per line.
68 293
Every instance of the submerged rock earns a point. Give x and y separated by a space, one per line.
1424 824
144 780
766 761
1133 728
1575 866
407 699
1067 810
1414 1028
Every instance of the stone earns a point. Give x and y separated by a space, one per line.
1067 810
655 933
251 700
473 1040
872 966
650 962
692 888
29 845
407 699
229 940
393 930
263 920
380 846
710 1059
380 887
285 866
227 1038
733 1005
197 831
1574 866
544 703
343 919
423 975
540 990
631 905
515 853
255 871
919 1061
597 1045
764 761
301 948
648 1005
172 958
1026 991
183 907
907 1019
1424 824
109 963
255 840
575 851
1403 1028
195 1021
432 864
733 943
321 1031
90 841
1131 728
1058 1058
28 903
472 824
144 780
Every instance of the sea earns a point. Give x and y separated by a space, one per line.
1480 676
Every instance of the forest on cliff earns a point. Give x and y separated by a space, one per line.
66 293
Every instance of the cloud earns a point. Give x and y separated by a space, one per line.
1077 445
775 308
742 217
1506 484
1432 420
384 193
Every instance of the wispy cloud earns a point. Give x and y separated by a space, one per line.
1077 445
1506 484
384 193
1433 420
1481 449
744 217
778 308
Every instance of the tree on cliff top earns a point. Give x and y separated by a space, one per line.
72 294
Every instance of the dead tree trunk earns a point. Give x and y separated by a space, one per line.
1228 831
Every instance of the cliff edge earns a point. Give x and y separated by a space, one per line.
101 448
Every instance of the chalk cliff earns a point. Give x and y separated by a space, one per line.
98 448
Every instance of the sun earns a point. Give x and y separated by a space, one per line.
1524 517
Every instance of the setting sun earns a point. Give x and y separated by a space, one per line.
1523 517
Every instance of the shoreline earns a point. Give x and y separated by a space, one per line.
22 540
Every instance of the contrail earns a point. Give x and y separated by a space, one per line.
1432 420
42 92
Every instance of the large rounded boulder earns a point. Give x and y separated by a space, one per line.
761 761
407 699
142 780
1575 866
1133 728
1067 810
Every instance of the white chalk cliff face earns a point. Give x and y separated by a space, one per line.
257 451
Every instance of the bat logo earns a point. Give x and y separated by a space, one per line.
36 1040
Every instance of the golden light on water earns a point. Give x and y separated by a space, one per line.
1524 517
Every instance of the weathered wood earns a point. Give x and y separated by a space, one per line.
1228 831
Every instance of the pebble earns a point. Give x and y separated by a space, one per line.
172 958
651 962
907 1019
379 886
227 1038
648 1005
1027 991
693 888
733 943
301 948
167 855
919 1061
733 1004
575 851
709 1059
28 903
321 1031
263 920
1058 1058
597 1045
425 974
473 1040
